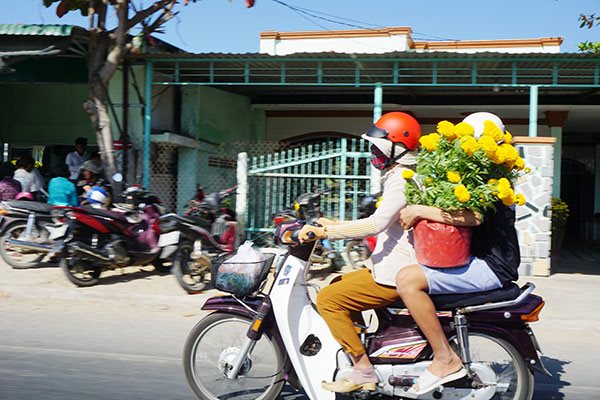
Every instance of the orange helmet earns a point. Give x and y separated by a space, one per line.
397 127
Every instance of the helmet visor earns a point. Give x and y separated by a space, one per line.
376 132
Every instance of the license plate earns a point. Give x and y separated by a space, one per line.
167 239
57 232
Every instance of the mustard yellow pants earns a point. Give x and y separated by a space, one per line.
340 304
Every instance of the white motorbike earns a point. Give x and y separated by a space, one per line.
260 338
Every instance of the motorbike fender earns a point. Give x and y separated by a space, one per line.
517 336
229 305
168 251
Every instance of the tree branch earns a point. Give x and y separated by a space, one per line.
145 13
115 56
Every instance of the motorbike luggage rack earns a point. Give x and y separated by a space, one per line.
528 288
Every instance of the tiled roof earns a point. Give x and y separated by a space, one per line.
36 29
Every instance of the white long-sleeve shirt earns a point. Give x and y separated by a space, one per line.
74 161
393 249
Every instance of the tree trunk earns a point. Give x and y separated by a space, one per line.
96 107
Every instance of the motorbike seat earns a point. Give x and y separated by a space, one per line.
105 213
34 206
449 302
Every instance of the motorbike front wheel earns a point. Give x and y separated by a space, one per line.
79 271
191 274
498 364
211 347
19 258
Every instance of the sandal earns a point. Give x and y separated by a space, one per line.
428 381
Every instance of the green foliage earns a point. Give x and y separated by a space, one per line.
560 211
589 21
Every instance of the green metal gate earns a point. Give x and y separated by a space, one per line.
340 166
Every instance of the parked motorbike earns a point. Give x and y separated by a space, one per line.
308 208
358 251
207 229
98 239
252 343
26 232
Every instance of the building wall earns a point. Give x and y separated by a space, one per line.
43 114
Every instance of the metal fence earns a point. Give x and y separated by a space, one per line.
271 182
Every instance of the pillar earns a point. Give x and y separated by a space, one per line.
556 122
533 110
377 111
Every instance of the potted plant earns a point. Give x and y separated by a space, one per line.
560 215
459 169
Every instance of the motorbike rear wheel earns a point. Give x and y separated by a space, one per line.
80 272
191 274
513 380
19 259
211 347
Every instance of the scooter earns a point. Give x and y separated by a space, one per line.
26 232
206 230
98 239
251 344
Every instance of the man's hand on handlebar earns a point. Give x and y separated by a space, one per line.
309 233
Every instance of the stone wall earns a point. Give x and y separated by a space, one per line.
533 219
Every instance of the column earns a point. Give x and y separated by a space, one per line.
377 111
147 125
533 110
556 122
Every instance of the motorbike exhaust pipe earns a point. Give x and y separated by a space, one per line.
90 251
44 248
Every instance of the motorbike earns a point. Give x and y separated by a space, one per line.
251 344
27 232
206 229
98 239
308 208
358 251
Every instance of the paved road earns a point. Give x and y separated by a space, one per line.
123 339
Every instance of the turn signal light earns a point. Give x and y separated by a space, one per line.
3 211
534 315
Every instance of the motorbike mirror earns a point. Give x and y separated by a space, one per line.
118 177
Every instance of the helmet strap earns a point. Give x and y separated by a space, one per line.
393 158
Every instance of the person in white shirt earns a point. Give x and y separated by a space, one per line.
23 174
75 159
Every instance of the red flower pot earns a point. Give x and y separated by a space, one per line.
440 245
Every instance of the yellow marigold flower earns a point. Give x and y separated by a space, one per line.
408 173
527 170
503 183
469 145
462 193
428 181
492 181
520 199
488 145
509 200
491 129
510 153
507 137
463 129
519 163
498 157
453 176
446 128
430 142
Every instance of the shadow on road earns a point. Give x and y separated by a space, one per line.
549 387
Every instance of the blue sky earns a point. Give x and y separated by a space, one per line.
227 26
